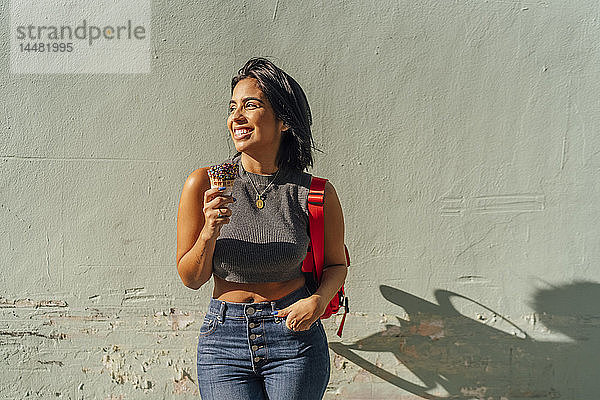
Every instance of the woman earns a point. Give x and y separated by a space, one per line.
262 337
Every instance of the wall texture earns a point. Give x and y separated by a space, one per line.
462 139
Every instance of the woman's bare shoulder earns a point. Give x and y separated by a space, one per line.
198 179
330 191
332 207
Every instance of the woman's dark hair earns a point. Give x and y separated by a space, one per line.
290 105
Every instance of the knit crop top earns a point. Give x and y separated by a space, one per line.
268 244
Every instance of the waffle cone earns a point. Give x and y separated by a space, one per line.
227 183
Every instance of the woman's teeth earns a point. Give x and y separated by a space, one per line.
242 133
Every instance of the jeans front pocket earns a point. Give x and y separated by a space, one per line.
209 325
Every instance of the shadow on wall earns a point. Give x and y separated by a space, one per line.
469 359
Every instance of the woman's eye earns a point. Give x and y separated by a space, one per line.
249 105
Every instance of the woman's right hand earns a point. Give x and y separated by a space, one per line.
214 203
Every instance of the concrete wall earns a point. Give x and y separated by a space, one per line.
461 136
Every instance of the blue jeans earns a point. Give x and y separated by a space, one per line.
244 352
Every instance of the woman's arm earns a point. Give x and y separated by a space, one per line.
335 271
195 238
194 251
306 311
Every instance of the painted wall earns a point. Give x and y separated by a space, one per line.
461 136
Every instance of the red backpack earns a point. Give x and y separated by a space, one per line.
312 266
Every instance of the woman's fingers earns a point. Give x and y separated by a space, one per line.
299 325
223 215
219 201
215 193
297 322
291 323
215 208
216 212
300 315
225 212
216 201
210 194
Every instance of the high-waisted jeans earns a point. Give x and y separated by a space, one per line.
244 352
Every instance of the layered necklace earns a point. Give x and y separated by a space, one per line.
260 203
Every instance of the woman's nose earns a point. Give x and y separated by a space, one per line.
237 114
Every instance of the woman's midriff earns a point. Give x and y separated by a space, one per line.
254 292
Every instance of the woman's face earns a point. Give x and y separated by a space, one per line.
251 121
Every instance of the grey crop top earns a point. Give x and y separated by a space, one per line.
268 244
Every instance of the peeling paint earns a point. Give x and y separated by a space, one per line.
478 392
95 315
179 320
134 290
56 336
362 376
434 329
59 363
184 383
139 298
28 303
115 397
339 362
121 371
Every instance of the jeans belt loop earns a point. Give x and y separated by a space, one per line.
222 312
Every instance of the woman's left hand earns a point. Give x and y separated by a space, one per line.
303 313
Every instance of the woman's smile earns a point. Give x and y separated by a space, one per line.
242 133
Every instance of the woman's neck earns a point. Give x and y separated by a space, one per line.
262 166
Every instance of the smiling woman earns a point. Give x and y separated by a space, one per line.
262 337
275 93
253 124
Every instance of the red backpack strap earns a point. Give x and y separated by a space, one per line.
316 199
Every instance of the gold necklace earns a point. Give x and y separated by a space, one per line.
260 203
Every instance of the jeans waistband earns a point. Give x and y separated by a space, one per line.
226 309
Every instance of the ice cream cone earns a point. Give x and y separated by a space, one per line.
223 175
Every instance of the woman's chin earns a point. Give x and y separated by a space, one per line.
241 145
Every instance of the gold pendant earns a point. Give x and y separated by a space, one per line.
260 203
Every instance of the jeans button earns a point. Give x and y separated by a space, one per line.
257 359
252 325
250 310
252 337
254 348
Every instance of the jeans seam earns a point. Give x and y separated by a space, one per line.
323 334
265 338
